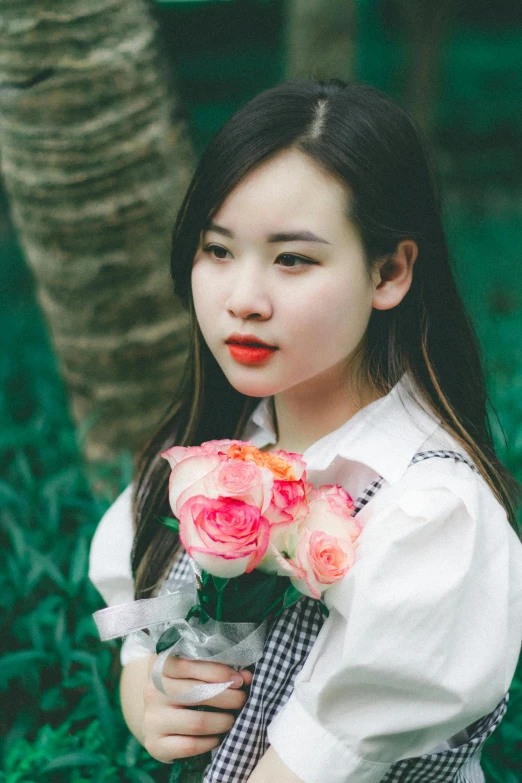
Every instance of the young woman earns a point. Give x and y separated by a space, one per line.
325 320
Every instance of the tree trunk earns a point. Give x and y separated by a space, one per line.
426 27
320 38
94 166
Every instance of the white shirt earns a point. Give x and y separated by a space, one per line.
424 631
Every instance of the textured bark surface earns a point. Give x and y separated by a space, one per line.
426 27
95 168
320 38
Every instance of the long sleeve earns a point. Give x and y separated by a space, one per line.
110 564
423 634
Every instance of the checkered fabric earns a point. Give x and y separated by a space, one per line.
181 572
289 642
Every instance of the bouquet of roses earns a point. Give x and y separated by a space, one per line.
238 509
260 536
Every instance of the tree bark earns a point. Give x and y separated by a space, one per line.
426 26
94 166
320 38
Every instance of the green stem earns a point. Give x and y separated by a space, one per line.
219 605
272 606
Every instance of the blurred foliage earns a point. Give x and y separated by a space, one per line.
476 115
62 720
218 55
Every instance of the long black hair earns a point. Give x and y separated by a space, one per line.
372 147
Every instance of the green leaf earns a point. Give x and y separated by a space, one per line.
136 775
195 611
79 562
167 639
104 709
43 565
79 759
8 494
18 663
171 522
292 595
324 609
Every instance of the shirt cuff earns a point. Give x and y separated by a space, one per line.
313 754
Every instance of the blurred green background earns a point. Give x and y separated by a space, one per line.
61 719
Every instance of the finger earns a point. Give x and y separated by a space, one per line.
247 676
192 723
230 698
203 723
167 749
227 700
182 668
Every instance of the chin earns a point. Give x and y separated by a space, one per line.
251 387
254 390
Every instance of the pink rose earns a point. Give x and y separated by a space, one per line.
187 473
225 536
283 543
295 460
288 501
321 560
245 481
328 511
339 501
176 454
322 547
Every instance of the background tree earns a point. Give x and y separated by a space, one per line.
320 38
426 26
94 165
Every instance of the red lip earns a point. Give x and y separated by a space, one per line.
250 354
250 340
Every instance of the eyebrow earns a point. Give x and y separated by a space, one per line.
283 236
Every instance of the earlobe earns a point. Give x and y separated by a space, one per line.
392 279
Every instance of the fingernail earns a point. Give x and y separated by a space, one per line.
237 681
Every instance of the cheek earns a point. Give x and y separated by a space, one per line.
197 282
341 324
205 294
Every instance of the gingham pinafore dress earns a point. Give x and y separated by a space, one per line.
289 642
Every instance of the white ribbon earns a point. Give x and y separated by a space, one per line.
235 644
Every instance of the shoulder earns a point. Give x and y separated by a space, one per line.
441 502
442 466
438 533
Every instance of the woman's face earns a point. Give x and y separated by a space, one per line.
281 262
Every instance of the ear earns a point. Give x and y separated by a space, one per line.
393 275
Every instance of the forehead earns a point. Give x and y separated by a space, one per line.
285 190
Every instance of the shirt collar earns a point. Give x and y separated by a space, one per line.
384 435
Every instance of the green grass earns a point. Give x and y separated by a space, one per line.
61 719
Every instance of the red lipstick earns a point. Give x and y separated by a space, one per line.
249 349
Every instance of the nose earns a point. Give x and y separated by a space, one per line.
248 298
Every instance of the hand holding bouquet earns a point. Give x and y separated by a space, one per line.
260 536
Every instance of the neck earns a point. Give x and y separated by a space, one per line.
304 415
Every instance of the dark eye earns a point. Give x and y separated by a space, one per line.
288 261
215 250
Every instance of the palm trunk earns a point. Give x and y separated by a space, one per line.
320 38
426 26
94 167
